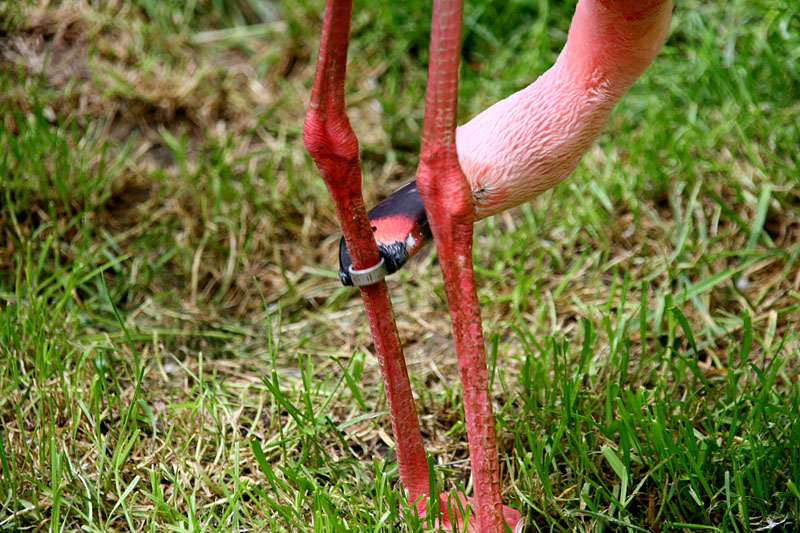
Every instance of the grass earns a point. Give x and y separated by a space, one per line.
177 354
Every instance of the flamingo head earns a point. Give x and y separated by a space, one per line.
400 227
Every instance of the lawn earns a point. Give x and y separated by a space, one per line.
176 351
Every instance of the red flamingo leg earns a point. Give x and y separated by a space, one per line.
448 202
333 146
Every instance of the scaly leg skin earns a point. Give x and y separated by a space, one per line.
448 202
333 146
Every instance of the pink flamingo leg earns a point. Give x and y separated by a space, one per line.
333 146
448 202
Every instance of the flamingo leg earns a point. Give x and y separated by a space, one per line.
333 146
448 202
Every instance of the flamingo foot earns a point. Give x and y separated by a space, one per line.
452 508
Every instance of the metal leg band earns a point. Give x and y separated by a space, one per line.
368 276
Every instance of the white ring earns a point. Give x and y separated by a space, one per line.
368 276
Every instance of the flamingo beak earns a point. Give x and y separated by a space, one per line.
400 226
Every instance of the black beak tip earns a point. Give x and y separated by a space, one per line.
394 255
344 264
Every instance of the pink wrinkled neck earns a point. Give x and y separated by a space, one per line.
534 139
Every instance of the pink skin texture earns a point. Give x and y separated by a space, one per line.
535 138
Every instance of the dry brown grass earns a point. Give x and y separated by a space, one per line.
221 222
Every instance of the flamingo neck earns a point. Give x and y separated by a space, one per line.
532 140
612 42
